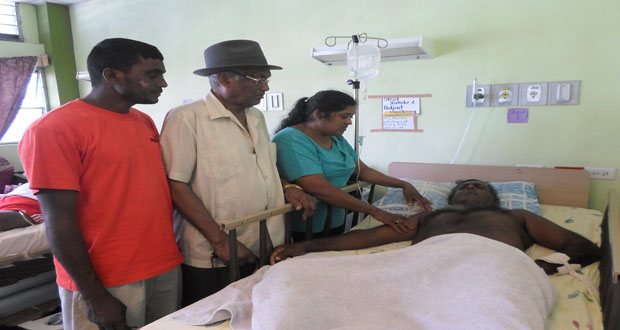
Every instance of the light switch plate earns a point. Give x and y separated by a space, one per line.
534 87
504 95
487 96
564 92
274 102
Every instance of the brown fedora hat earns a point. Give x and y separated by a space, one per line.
234 54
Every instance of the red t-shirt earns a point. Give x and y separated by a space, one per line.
124 207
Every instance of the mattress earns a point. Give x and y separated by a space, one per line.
22 243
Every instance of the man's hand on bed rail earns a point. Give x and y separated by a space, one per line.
300 200
412 195
222 251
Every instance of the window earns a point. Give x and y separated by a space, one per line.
32 108
9 21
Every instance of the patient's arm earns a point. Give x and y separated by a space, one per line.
12 219
546 233
355 239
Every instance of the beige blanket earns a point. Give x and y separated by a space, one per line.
455 281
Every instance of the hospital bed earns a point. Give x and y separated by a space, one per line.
563 195
27 278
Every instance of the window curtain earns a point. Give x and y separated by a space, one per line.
15 73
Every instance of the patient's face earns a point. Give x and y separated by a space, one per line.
473 193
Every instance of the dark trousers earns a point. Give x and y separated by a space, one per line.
199 283
301 236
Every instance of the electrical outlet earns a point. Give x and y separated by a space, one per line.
601 173
486 100
534 93
504 95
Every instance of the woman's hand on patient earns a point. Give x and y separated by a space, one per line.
412 195
286 251
397 222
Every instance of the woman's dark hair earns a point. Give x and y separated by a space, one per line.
327 102
120 54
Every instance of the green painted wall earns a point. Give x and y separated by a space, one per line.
496 41
55 33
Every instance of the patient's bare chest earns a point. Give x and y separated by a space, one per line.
494 224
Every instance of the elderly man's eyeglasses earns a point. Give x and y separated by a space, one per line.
259 82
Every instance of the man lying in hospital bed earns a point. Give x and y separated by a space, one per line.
466 269
474 208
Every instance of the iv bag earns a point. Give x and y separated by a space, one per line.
363 61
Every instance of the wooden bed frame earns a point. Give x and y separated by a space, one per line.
564 187
553 186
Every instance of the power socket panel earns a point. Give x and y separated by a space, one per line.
602 173
487 96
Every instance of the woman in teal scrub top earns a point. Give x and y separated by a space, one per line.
313 154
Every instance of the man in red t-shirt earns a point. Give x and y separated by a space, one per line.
95 166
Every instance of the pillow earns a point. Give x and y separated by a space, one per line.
512 195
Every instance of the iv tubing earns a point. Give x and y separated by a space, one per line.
458 150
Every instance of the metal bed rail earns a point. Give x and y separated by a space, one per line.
610 264
264 240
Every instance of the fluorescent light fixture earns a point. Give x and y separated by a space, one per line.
397 49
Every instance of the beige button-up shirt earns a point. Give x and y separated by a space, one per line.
232 170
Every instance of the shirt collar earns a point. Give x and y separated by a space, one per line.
215 108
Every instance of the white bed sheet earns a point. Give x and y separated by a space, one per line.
23 242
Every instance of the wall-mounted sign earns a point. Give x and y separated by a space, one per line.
399 113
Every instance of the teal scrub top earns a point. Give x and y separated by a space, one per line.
299 155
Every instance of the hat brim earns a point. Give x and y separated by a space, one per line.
208 71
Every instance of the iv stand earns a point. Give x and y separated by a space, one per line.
356 92
356 83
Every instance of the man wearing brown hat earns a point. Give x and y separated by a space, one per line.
221 166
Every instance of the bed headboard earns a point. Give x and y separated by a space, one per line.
565 187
